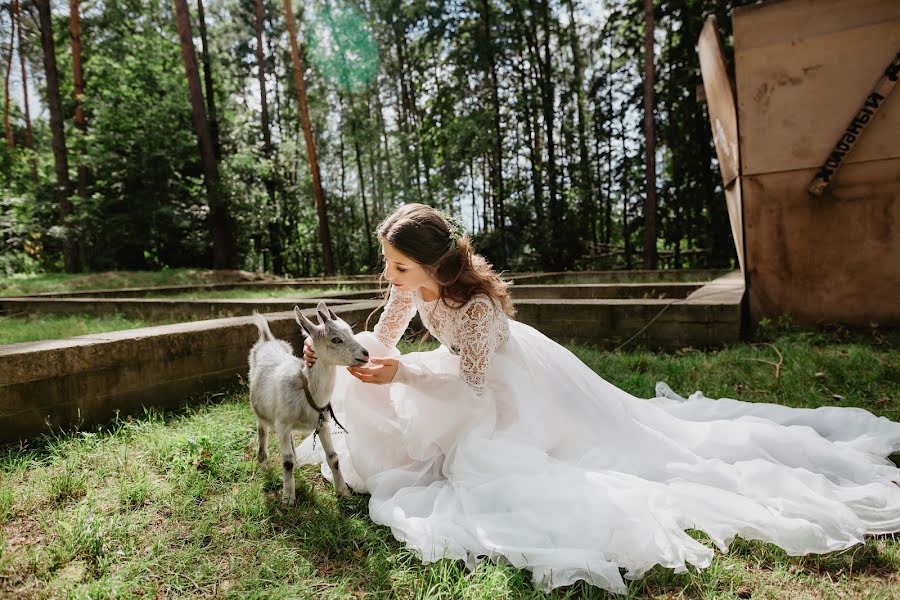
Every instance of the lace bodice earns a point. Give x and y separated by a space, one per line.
473 331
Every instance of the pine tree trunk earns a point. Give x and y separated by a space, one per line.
548 94
408 119
484 195
584 170
57 130
362 195
626 233
78 88
29 132
274 225
379 113
533 142
7 128
219 220
375 165
607 233
499 200
211 113
324 232
474 198
650 255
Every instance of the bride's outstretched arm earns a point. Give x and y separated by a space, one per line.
478 340
395 318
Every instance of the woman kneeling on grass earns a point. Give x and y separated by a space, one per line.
501 444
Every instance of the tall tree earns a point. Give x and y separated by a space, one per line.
321 209
220 223
7 128
548 99
650 255
211 112
29 132
370 259
78 87
585 183
497 162
274 226
57 131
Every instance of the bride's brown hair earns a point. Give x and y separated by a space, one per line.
439 244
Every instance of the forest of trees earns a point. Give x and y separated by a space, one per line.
271 135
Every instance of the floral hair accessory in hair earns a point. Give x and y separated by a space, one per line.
456 229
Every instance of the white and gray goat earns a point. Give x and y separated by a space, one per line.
288 396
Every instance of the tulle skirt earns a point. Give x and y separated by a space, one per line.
555 470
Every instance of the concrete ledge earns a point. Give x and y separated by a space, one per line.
598 291
83 381
582 277
709 317
186 310
86 380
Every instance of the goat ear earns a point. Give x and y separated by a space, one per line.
334 317
323 312
305 324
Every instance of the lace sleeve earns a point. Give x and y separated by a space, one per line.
395 318
478 340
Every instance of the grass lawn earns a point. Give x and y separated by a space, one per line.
18 285
30 328
169 505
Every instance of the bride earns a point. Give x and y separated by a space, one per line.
502 445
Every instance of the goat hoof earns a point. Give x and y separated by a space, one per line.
288 500
343 490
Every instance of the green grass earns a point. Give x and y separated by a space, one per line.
30 328
62 282
169 505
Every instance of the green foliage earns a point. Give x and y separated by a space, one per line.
418 101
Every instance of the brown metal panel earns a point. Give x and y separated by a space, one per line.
787 21
833 258
720 100
795 98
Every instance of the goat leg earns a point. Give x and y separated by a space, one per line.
324 432
286 440
262 434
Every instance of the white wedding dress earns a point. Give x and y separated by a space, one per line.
501 444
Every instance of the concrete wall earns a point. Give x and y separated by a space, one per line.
189 310
86 380
587 277
803 70
597 291
709 317
159 309
89 379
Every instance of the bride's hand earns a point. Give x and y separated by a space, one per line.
379 370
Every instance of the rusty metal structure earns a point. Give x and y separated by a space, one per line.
808 141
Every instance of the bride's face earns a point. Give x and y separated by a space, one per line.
403 272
